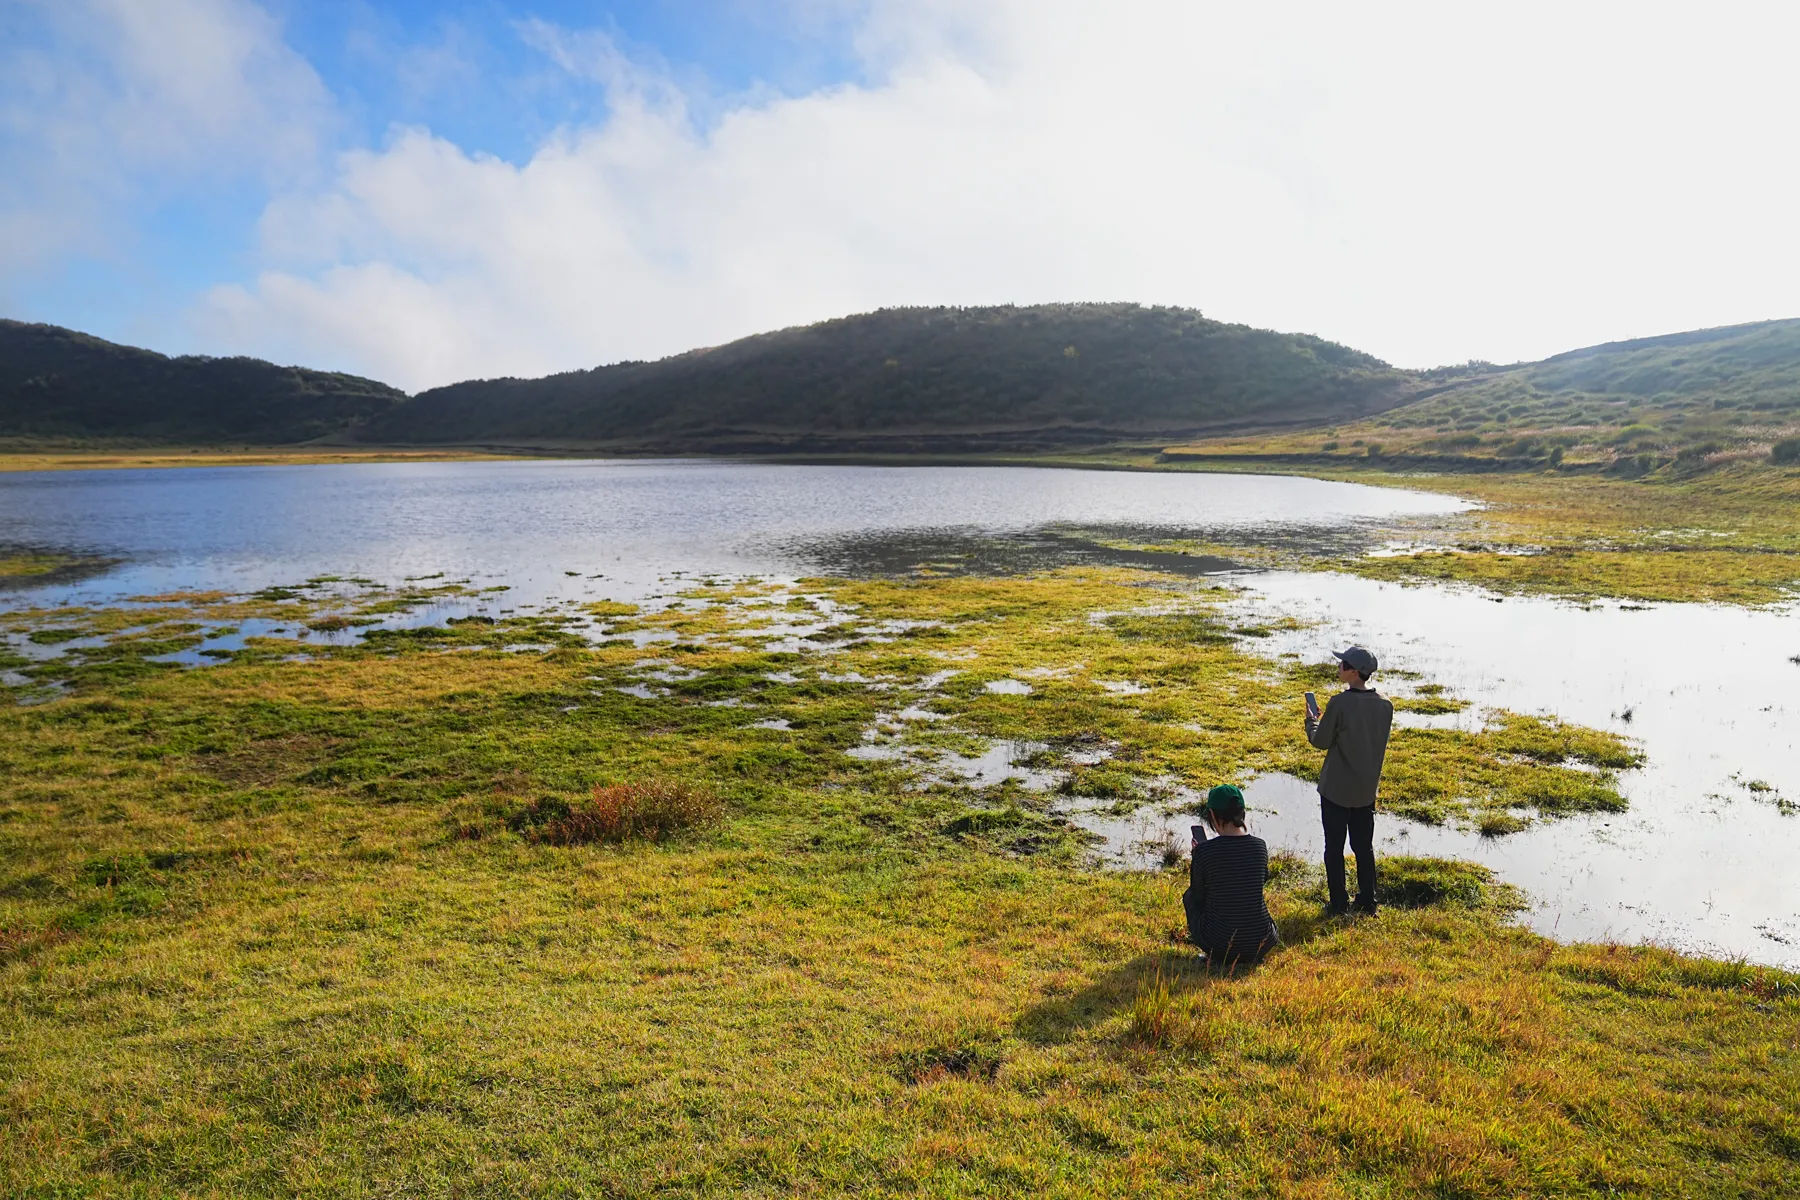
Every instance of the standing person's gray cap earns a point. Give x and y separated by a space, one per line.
1357 659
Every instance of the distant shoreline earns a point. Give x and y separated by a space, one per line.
174 457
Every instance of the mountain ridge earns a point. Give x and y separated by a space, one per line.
904 378
61 383
931 380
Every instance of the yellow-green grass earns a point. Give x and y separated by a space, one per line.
1732 536
265 930
27 566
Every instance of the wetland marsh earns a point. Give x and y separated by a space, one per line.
392 547
277 919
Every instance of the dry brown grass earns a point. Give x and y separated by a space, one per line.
618 812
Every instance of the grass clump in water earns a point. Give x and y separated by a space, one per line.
1403 881
1100 782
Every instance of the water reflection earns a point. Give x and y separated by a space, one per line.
1701 859
565 530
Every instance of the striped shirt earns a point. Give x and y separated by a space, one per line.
1226 914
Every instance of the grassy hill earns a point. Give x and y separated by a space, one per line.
975 380
57 383
1672 405
927 379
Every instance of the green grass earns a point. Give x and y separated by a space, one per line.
28 566
267 929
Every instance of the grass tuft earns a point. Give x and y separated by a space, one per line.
953 1051
1406 882
618 812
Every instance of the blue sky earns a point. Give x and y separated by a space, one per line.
466 71
425 192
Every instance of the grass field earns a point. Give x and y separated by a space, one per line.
282 927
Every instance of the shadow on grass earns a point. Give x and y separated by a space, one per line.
1179 971
1179 968
1058 1018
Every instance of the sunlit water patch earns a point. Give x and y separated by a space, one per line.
1701 859
567 530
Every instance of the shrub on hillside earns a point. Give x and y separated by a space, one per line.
617 812
1786 451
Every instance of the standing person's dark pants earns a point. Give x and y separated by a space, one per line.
1359 824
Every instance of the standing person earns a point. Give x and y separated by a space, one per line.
1353 731
1227 917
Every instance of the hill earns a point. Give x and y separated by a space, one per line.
57 383
1677 390
921 379
1672 404
948 380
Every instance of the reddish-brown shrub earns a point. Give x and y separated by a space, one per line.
618 812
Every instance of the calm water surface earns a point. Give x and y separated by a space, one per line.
1701 860
526 523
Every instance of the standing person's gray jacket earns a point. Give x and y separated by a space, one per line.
1353 731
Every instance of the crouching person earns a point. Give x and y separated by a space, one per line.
1227 918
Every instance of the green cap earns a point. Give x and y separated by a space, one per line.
1224 798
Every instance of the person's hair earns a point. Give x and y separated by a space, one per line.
1360 677
1229 812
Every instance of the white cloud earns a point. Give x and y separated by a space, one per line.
108 105
1428 182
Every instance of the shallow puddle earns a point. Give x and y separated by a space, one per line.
1701 859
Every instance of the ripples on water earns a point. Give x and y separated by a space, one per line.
632 524
1701 859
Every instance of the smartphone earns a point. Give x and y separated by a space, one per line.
1312 706
1199 832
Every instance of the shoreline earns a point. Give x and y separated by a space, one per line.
1730 535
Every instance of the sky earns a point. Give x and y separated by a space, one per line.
426 192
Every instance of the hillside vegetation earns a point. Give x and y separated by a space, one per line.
980 380
928 378
1669 406
56 383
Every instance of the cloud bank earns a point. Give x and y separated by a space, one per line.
1426 182
114 106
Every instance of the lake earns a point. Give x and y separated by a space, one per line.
1703 859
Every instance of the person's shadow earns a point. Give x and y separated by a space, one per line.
1057 1018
